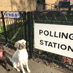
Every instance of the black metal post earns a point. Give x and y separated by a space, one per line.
24 18
25 27
22 30
4 26
30 33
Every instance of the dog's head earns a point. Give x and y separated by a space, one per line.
1 48
21 44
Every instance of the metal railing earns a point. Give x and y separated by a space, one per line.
27 32
50 18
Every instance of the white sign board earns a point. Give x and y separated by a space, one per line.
12 14
54 38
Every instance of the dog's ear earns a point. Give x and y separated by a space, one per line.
18 43
25 41
15 45
2 46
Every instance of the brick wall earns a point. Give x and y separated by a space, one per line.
50 2
17 5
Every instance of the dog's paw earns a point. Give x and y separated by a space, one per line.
8 69
29 71
23 72
18 70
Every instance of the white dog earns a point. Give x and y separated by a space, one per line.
20 57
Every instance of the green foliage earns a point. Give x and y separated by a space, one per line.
11 30
39 52
1 29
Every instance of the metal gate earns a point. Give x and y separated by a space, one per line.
43 56
13 28
27 32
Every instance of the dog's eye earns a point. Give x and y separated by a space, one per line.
19 45
24 43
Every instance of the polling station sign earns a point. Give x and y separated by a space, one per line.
12 14
54 38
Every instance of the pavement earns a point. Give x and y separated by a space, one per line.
35 67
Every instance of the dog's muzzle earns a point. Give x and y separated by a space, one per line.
22 45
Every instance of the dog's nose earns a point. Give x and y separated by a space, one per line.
22 46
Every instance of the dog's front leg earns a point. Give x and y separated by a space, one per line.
5 62
27 67
22 67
